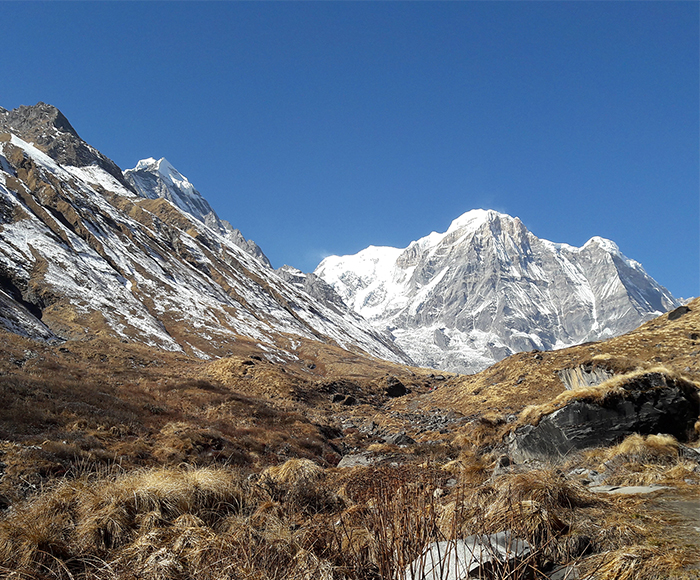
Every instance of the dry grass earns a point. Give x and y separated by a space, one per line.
652 448
640 563
295 472
645 460
78 424
214 523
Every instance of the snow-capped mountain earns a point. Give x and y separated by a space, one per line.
487 288
86 250
154 179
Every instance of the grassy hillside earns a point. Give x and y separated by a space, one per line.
121 461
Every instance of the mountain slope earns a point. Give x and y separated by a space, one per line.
487 288
82 253
155 179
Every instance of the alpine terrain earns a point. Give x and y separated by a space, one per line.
173 407
487 288
87 249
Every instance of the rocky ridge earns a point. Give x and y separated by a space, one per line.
487 288
155 179
84 253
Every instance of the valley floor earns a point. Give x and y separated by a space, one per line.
123 462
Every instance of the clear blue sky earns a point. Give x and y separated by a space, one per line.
321 128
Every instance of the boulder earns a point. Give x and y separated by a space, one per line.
399 439
472 556
647 403
678 312
356 460
394 387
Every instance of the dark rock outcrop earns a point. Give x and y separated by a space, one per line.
46 127
395 388
678 312
648 403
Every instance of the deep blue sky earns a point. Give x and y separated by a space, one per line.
321 128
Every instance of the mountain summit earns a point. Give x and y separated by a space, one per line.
487 287
159 179
47 128
86 251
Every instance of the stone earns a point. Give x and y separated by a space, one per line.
502 465
648 403
570 572
678 312
472 556
394 387
355 460
628 489
689 453
398 439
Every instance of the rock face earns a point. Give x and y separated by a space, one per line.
487 287
647 404
15 317
46 127
314 286
84 253
584 376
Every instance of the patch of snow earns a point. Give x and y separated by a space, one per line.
95 175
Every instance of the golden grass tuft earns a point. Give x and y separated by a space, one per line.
652 448
470 467
645 460
532 520
637 563
547 487
92 518
295 472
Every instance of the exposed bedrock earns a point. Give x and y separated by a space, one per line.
649 403
584 376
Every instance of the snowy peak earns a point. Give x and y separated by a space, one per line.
49 130
473 219
155 179
168 173
487 287
80 255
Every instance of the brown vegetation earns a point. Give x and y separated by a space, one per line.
126 462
